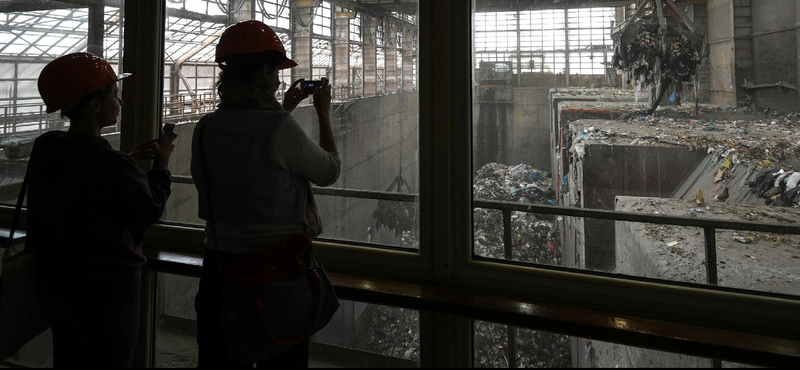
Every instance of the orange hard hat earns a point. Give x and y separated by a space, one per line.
72 76
249 37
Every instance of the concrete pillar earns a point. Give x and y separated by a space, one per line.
700 15
246 12
370 52
721 58
408 59
341 54
390 63
174 87
743 45
301 44
94 44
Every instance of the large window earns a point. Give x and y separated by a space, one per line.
522 170
31 36
378 149
553 124
536 40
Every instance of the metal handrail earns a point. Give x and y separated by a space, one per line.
709 225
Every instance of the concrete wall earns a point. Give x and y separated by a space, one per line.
777 52
529 133
753 43
516 129
721 52
700 12
608 171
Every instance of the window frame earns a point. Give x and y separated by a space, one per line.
445 258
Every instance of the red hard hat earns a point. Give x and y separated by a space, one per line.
250 37
72 76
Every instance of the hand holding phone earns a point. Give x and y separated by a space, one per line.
166 130
310 86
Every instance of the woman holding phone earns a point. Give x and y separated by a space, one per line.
260 166
88 206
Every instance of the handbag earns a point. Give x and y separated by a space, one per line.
21 315
271 300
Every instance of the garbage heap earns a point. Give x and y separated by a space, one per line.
679 66
533 348
778 186
400 218
391 331
533 235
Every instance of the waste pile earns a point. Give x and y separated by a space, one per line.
778 186
604 93
394 331
533 348
533 235
395 216
678 67
764 142
391 331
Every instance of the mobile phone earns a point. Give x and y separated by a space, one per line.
166 130
310 86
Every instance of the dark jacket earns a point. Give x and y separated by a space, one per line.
88 206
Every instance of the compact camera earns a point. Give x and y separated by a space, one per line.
310 86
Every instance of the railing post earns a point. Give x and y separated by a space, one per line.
40 119
5 121
512 346
711 255
507 233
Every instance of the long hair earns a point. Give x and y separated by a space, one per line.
244 71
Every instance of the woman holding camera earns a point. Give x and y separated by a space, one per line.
88 207
260 164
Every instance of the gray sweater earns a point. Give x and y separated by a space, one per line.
286 145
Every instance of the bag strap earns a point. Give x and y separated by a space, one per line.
18 210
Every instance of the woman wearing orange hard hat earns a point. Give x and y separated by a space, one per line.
88 206
253 166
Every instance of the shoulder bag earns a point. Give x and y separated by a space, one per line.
272 299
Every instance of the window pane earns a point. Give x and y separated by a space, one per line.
375 122
30 37
495 343
564 115
383 330
358 335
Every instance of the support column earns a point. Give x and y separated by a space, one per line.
700 13
370 52
445 340
301 43
94 44
390 62
174 88
744 62
144 44
566 52
246 12
408 59
341 54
